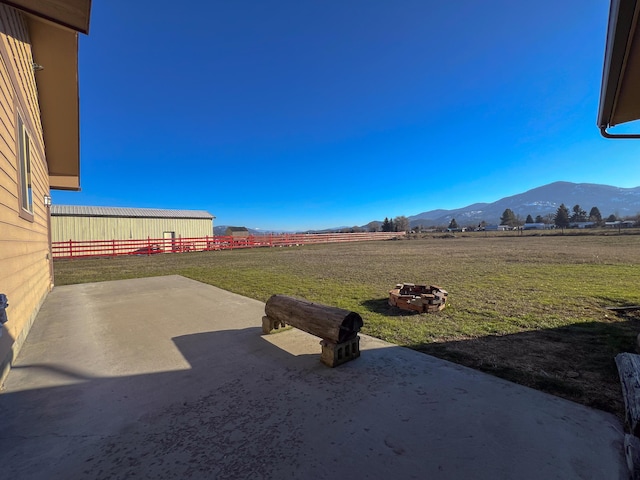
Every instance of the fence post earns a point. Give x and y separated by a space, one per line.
113 247
148 246
70 249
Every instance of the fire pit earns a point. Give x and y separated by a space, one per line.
418 298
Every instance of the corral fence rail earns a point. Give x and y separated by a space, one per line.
151 246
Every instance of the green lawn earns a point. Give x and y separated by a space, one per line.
527 308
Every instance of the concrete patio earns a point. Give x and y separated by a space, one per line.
167 377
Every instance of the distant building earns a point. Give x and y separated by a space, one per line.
535 226
240 232
80 223
582 224
620 224
498 228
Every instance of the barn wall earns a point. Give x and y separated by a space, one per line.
79 228
25 269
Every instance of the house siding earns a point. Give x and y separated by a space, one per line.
83 228
24 244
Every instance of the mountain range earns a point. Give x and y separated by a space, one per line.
541 201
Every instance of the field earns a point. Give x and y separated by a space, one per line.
530 308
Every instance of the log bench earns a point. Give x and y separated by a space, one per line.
337 328
629 371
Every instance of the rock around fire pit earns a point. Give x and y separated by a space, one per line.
418 298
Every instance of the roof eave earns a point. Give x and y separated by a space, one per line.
56 50
71 14
619 100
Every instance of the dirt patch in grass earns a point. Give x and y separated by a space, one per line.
527 308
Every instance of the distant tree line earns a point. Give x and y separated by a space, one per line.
398 224
563 217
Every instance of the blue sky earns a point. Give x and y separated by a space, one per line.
295 114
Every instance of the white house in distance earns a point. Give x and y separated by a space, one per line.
498 228
537 226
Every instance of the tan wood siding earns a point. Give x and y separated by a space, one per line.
24 246
64 228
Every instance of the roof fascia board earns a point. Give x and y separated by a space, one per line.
621 13
71 14
56 50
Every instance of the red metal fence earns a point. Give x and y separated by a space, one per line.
151 246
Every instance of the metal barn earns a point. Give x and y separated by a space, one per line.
80 223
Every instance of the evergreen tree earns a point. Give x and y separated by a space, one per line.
386 225
595 215
508 218
579 215
453 225
539 219
612 218
561 219
529 219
